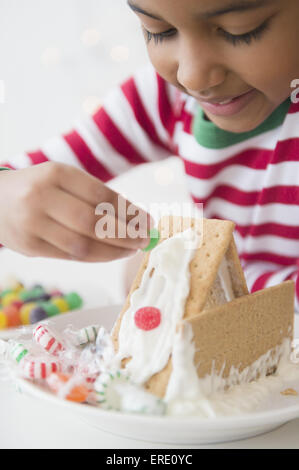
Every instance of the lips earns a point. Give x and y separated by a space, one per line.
229 105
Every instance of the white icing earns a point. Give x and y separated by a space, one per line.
165 288
226 281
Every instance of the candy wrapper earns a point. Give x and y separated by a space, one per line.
76 365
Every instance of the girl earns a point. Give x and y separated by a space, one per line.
218 95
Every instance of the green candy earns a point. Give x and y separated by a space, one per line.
74 300
50 309
155 237
31 294
5 292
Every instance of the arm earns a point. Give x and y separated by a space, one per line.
130 129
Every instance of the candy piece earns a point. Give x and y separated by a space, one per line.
135 399
87 335
106 390
56 293
18 304
5 292
3 320
13 316
61 384
31 294
47 340
74 300
61 304
18 352
34 368
41 298
155 237
18 287
25 313
37 314
50 309
8 299
147 318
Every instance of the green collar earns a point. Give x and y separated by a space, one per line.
208 135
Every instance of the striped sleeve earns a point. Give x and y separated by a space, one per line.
260 275
132 127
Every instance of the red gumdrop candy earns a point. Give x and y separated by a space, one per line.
147 318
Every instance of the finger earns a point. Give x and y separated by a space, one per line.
91 190
38 248
79 217
77 246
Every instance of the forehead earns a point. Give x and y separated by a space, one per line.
204 9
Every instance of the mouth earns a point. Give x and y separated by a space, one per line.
227 106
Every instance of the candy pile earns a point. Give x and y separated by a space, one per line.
78 366
21 306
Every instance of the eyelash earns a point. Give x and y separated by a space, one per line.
232 38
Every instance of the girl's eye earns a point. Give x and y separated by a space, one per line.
234 39
159 37
246 38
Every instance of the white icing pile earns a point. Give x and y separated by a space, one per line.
165 288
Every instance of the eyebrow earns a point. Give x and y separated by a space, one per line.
237 7
233 7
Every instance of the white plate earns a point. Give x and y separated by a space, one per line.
166 430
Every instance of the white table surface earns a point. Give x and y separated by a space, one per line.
30 424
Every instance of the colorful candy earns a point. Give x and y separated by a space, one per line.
37 369
61 304
20 306
106 389
9 298
25 312
87 335
147 318
37 314
47 340
62 385
79 375
18 352
3 320
74 300
12 314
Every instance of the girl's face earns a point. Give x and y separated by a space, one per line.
237 58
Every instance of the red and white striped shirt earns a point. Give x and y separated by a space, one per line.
251 178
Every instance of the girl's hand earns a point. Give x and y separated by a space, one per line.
48 210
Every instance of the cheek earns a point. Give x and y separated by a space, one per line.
163 62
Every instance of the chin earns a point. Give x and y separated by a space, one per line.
238 125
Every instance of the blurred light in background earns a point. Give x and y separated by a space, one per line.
90 37
120 54
51 57
58 60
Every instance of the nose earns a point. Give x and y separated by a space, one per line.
198 68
